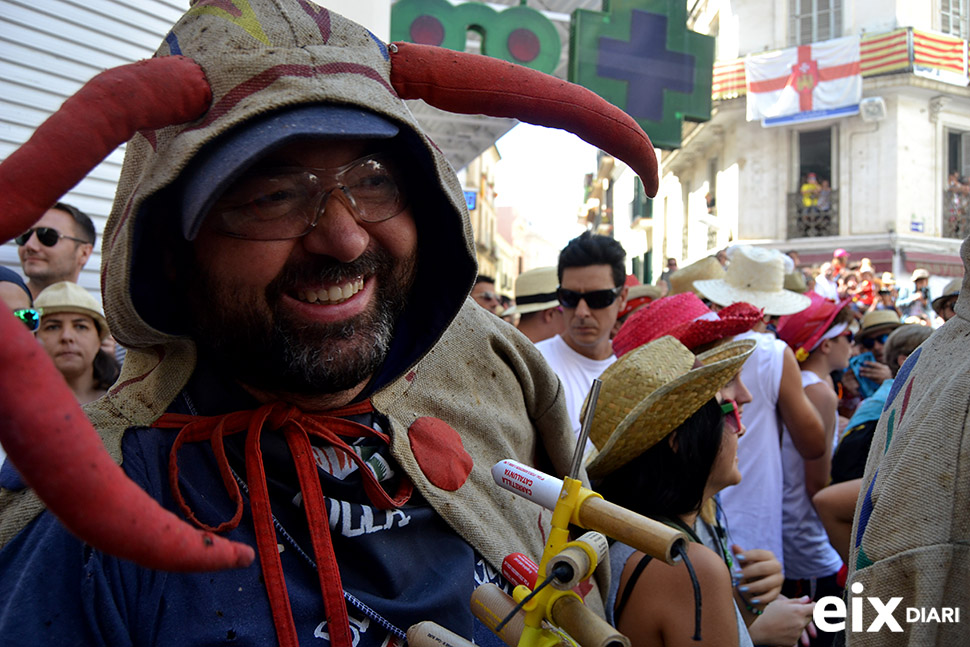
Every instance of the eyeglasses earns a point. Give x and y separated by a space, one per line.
595 300
870 342
47 236
730 409
30 317
488 296
283 203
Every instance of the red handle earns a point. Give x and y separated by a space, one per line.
475 84
42 428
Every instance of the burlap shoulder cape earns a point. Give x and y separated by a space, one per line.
911 534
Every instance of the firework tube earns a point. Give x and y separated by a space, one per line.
491 605
431 634
46 435
580 557
593 513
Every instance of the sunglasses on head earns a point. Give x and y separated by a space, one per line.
870 342
730 409
595 299
30 317
48 236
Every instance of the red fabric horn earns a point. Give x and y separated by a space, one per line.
47 436
474 84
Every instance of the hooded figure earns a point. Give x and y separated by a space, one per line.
211 418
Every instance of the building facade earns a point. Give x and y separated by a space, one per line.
888 166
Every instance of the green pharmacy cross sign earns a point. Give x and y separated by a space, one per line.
637 54
640 56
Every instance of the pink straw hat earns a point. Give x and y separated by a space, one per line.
686 318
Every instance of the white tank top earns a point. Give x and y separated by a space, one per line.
808 553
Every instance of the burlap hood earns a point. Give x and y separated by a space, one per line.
267 56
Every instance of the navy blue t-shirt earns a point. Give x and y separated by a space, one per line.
398 567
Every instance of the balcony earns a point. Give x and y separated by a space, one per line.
812 222
956 214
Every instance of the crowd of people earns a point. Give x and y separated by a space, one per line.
314 371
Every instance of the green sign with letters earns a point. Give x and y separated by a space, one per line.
517 34
637 54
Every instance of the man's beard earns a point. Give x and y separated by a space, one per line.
260 344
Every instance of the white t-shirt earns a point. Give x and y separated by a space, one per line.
828 289
753 507
576 372
808 552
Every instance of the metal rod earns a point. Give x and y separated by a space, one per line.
594 394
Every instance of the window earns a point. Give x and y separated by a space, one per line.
953 17
815 155
642 206
815 20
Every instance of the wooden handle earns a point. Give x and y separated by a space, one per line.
635 530
585 627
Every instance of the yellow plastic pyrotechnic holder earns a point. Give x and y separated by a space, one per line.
563 608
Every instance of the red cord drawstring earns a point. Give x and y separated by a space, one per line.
297 427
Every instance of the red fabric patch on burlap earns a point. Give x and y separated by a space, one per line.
440 453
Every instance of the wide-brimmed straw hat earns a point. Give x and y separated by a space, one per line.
685 318
804 330
952 289
535 290
876 322
70 297
649 391
756 275
705 269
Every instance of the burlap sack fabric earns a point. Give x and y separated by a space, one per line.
485 380
911 533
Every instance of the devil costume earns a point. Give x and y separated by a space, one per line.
415 521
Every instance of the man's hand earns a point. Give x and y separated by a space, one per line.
761 577
876 371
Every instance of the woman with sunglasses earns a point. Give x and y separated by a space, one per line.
16 296
71 331
670 454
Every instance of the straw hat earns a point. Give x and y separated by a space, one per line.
756 275
919 273
648 392
952 289
70 297
685 318
866 266
803 330
639 295
887 281
877 322
535 290
683 279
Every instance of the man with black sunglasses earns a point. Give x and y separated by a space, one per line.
57 248
592 293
